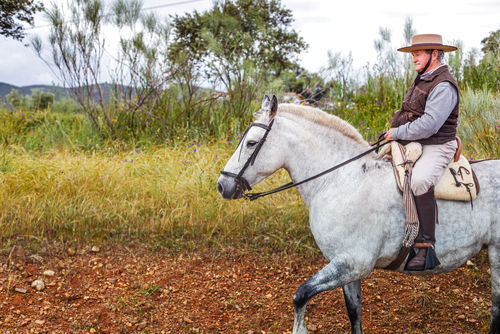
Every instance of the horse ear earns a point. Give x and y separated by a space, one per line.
269 108
265 102
273 108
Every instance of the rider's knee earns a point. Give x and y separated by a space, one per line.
420 186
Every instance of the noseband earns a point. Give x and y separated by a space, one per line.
241 183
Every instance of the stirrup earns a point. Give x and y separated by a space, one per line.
431 260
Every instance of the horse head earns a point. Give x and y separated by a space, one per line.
242 172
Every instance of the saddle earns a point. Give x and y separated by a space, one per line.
458 181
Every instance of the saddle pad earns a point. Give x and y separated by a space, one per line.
447 186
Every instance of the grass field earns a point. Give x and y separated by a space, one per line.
58 180
162 195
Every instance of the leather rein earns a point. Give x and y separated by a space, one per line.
242 184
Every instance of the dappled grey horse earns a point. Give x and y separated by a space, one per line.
356 213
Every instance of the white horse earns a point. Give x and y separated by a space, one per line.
356 213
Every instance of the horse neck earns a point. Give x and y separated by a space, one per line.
318 148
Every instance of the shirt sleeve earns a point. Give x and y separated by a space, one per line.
438 108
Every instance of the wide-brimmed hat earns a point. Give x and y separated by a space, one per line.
427 42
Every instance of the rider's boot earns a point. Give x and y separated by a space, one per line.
426 257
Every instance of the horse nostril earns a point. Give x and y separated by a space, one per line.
220 188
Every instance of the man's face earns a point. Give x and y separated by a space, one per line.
420 59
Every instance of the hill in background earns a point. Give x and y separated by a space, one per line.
6 88
59 92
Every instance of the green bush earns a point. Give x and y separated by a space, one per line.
41 100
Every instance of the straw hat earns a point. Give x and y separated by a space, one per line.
427 42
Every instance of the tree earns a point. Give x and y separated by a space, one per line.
77 42
492 43
17 101
338 74
13 13
483 71
240 29
409 68
237 45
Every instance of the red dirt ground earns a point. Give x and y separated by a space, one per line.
121 290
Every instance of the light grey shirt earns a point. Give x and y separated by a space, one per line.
438 107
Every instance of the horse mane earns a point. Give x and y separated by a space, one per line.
320 117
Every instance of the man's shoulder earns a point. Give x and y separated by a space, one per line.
446 79
445 85
442 89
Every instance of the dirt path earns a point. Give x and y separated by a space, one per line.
124 290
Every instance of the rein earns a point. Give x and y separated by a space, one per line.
243 184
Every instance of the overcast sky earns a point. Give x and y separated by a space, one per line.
325 25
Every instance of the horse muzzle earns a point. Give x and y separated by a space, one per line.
229 189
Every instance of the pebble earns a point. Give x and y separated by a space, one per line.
40 322
461 317
95 249
92 330
21 290
189 321
311 328
38 284
71 251
49 273
470 263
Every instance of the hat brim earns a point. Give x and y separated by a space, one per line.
426 46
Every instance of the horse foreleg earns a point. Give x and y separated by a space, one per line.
337 273
352 296
494 258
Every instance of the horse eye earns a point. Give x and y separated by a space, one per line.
251 143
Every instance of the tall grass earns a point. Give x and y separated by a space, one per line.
162 195
479 123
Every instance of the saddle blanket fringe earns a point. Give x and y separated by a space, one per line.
412 222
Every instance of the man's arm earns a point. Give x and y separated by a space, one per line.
438 108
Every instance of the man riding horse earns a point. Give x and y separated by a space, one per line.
429 115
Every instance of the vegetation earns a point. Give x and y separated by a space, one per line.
13 13
38 100
143 160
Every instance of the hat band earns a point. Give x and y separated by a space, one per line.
427 44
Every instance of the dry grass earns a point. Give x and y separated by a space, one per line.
166 195
479 124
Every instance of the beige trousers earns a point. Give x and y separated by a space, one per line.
431 165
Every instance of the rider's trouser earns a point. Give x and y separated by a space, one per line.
430 166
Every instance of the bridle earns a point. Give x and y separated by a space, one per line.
243 185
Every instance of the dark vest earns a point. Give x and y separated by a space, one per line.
414 105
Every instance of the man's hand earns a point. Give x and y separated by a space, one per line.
388 135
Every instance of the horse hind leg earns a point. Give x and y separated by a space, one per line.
494 258
352 296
